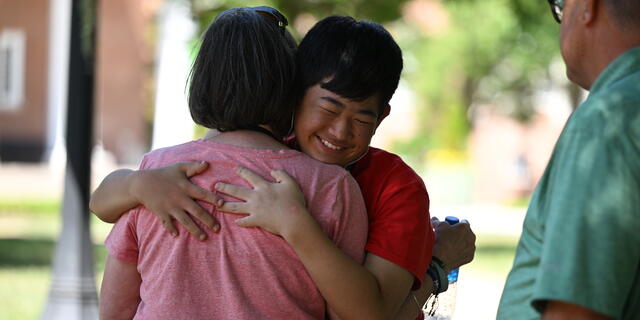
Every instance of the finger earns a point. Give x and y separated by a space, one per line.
245 222
468 257
205 195
241 193
193 168
197 192
201 214
465 229
220 202
167 224
251 177
234 207
282 176
188 223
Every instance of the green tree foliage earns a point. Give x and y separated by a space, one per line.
492 52
488 51
376 10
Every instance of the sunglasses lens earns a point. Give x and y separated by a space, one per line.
272 14
270 17
559 5
267 12
556 9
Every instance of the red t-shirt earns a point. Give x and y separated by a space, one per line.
398 207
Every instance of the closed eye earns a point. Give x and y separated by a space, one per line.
364 122
329 110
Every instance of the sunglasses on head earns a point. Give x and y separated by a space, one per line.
268 12
556 9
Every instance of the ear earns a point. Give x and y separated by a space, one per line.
589 11
385 113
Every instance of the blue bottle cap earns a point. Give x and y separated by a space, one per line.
453 275
451 220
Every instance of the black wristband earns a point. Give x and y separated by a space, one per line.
439 262
438 275
435 279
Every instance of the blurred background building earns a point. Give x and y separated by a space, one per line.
125 51
482 100
471 92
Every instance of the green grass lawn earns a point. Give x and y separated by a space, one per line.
494 257
23 291
28 229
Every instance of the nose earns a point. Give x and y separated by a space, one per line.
340 129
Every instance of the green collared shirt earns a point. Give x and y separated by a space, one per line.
581 235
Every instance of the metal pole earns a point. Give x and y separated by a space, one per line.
57 76
73 291
172 122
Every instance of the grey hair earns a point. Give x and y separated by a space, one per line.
626 13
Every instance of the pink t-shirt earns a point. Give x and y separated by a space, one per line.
239 273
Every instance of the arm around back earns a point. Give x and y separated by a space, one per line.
165 191
112 198
352 291
374 290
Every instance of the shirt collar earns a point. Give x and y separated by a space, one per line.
626 64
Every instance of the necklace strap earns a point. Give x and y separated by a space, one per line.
265 131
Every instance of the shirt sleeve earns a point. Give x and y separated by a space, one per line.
591 246
122 242
400 228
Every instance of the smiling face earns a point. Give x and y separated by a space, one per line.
333 129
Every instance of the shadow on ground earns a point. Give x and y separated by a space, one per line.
496 249
20 252
16 252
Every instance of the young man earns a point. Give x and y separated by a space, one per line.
579 253
347 72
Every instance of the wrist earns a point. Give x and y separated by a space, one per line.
299 224
134 181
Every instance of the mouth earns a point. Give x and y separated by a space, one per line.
330 145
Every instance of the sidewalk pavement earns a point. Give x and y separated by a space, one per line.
40 181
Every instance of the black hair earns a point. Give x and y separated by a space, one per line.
360 59
243 74
625 12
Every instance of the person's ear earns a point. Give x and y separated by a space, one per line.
385 113
589 11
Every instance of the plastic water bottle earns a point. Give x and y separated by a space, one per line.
447 300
